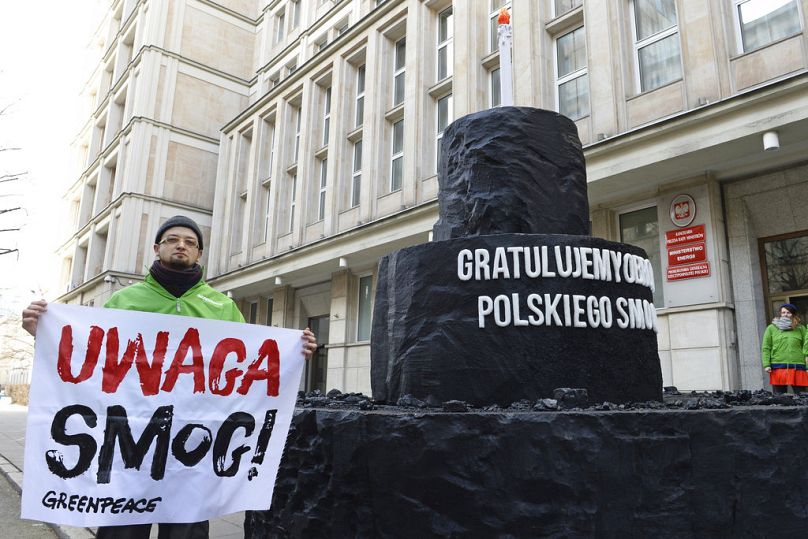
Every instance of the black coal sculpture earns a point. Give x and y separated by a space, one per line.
485 313
512 182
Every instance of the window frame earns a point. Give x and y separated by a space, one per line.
736 17
292 202
395 156
296 145
492 86
638 44
572 75
438 131
295 9
447 45
356 175
359 100
323 189
557 13
399 72
326 115
266 185
280 26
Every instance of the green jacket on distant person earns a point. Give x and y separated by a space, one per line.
786 348
200 301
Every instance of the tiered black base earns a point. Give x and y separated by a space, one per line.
705 473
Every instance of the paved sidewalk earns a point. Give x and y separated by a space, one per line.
12 442
10 522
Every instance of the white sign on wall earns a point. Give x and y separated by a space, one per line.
142 418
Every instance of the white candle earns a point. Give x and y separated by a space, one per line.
505 39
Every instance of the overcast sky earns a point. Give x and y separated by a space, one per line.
43 66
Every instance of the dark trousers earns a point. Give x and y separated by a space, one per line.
195 530
779 390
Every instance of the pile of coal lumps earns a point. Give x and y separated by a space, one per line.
562 399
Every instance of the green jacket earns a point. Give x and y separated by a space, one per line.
201 301
784 347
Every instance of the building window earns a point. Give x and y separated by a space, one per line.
296 148
360 96
295 13
496 5
445 44
323 184
571 75
397 158
293 193
398 71
274 80
444 115
563 6
365 306
641 228
267 156
761 22
326 115
280 26
342 27
266 191
356 174
496 91
240 191
656 43
270 308
252 315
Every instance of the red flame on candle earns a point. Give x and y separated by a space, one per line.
504 16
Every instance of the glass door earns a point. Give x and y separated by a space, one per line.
317 365
785 271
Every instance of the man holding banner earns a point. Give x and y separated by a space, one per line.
193 403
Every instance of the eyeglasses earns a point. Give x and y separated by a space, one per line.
176 240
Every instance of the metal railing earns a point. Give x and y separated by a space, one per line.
15 376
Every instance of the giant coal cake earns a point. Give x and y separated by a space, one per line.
451 461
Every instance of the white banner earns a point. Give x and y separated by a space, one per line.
138 417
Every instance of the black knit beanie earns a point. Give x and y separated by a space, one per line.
180 220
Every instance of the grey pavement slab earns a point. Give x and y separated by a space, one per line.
12 446
10 523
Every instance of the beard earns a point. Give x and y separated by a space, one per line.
177 263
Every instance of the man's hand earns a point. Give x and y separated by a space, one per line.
31 314
768 369
309 343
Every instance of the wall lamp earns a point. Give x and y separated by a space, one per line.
771 141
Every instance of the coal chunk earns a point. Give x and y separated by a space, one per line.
571 397
455 406
408 401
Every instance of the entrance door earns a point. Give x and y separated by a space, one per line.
785 271
317 365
